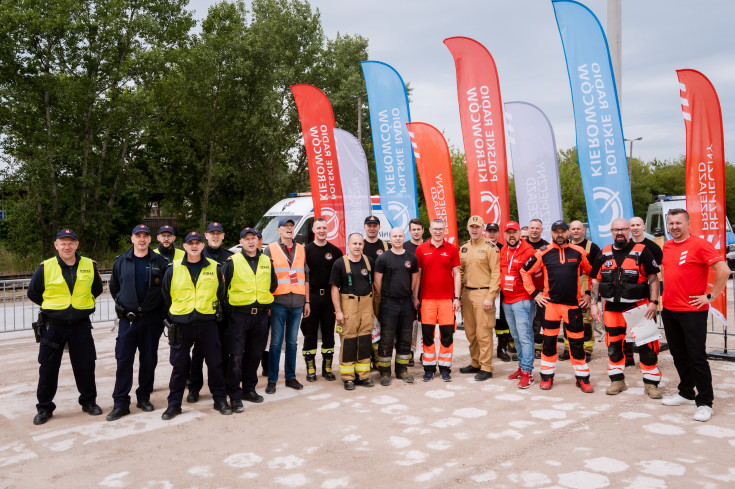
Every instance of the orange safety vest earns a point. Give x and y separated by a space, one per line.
627 283
291 278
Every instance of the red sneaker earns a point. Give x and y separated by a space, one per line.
516 375
527 380
585 385
546 384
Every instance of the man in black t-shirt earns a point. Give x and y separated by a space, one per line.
416 230
396 278
374 247
320 256
535 228
624 276
352 296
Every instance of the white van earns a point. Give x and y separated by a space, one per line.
656 226
300 208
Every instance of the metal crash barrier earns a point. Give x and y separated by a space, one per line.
17 312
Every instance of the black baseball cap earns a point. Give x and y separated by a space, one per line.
560 224
372 220
492 227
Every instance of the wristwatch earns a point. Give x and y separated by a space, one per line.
655 301
709 297
456 298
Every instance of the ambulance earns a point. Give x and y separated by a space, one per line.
300 208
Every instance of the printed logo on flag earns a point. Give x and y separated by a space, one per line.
332 222
611 207
400 215
493 208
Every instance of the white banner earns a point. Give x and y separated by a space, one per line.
353 173
535 167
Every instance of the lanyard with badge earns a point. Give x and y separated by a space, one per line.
508 279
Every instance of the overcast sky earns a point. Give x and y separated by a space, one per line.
658 37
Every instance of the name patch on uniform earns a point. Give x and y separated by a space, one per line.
572 260
327 256
407 263
364 272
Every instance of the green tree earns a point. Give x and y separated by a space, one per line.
74 107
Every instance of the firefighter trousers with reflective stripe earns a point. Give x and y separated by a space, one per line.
571 316
615 332
355 338
396 325
478 326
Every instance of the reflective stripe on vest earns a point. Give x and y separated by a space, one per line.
56 294
284 270
178 254
625 283
185 297
247 287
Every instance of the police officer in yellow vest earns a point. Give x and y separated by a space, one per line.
250 281
193 291
65 287
166 238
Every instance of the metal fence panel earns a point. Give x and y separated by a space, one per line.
18 312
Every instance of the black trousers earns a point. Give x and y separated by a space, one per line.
196 372
246 336
396 326
142 335
686 332
321 317
538 323
205 333
82 354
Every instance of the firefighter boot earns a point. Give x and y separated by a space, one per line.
309 358
502 345
327 366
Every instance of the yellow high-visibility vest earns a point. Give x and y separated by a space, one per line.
247 287
185 297
56 294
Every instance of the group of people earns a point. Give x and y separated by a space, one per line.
388 301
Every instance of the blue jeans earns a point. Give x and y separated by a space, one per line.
520 321
283 320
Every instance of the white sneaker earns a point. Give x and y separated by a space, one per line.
677 400
704 413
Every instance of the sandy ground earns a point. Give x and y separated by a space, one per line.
458 434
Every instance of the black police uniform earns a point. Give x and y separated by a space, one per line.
196 374
135 285
70 327
319 260
246 337
195 328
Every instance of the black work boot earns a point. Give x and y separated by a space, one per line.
502 354
310 360
327 366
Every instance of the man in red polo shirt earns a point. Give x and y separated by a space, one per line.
439 288
686 263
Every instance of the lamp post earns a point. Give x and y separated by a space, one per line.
630 156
